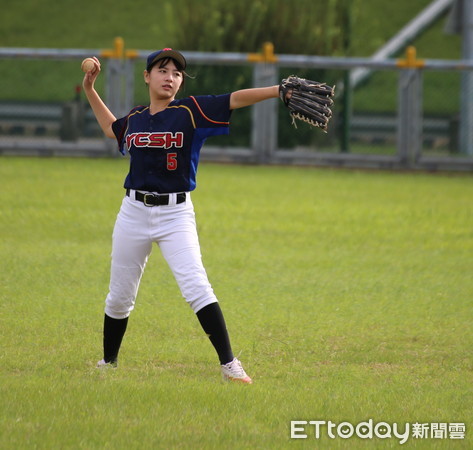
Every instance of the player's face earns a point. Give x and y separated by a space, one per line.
164 81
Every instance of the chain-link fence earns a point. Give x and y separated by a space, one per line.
405 113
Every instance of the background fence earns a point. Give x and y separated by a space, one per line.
404 115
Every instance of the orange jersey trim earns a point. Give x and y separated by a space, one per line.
188 110
204 116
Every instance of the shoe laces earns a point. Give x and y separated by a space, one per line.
236 367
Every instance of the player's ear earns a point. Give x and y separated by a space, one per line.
146 77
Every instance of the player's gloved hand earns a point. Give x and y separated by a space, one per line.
309 101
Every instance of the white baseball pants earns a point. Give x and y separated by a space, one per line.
173 228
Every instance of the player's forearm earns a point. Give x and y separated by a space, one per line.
104 116
247 97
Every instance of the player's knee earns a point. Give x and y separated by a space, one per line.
124 286
119 307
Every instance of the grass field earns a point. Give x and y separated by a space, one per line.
348 296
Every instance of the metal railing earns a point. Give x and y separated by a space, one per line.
263 148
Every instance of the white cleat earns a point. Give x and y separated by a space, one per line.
105 365
233 371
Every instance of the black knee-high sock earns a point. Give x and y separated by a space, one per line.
212 321
113 331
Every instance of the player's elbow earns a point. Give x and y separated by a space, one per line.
107 129
109 133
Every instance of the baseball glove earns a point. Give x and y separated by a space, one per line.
307 100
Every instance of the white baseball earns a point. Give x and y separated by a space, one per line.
87 65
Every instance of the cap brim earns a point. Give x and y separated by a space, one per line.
169 54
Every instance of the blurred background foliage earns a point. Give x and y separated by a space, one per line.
295 27
326 28
302 27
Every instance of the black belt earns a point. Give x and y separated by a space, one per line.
157 199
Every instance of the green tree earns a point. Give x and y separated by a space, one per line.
294 27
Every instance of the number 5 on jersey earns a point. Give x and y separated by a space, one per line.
172 161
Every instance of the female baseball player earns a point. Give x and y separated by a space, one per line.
164 140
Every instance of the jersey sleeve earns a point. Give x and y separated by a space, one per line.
119 128
212 113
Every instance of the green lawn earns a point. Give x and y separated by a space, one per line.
347 294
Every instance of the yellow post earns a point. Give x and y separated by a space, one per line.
411 61
118 50
267 56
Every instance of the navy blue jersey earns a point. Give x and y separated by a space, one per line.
165 147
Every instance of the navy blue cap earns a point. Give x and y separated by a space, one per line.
165 53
